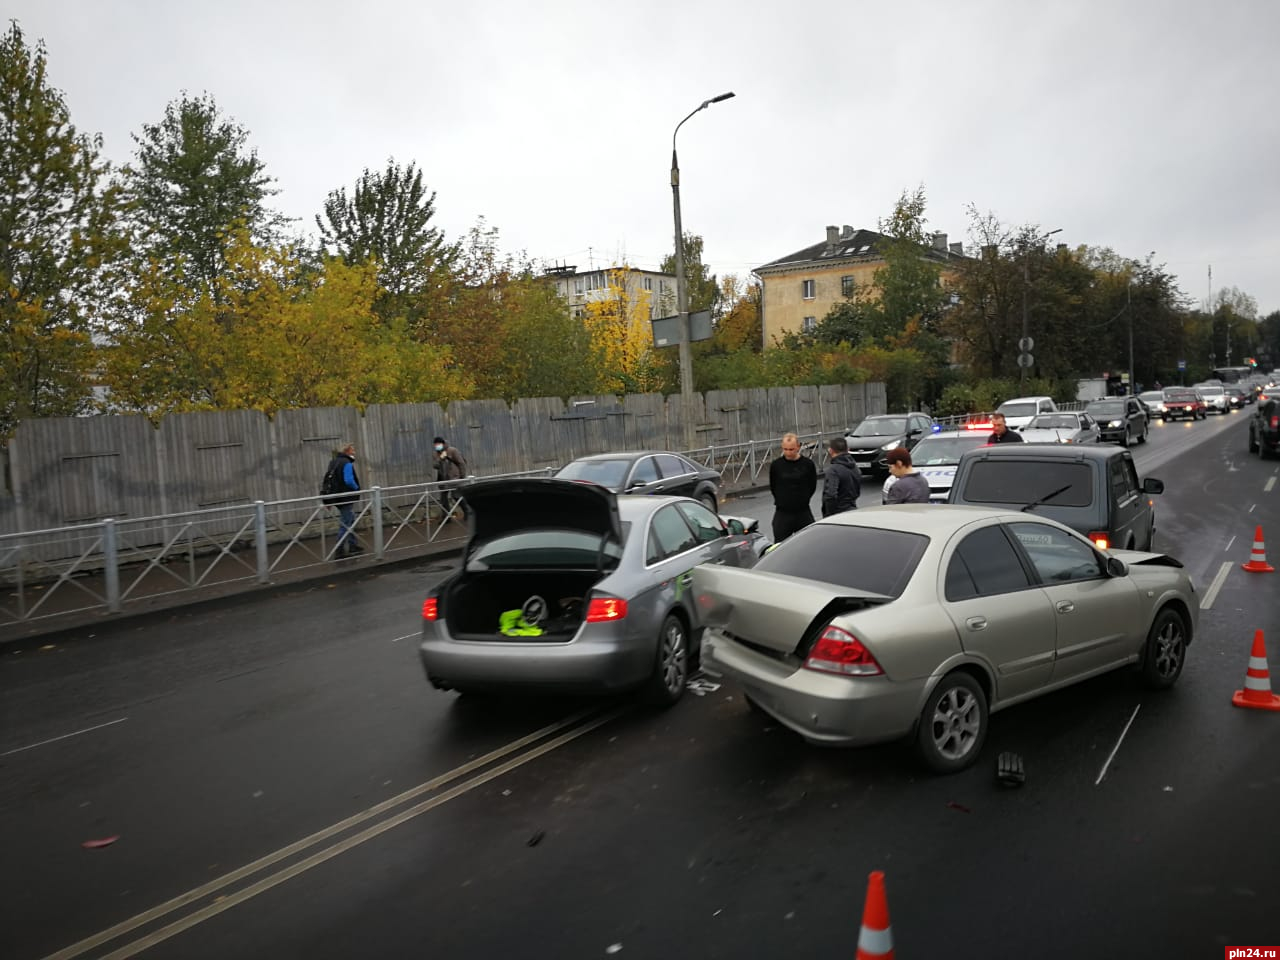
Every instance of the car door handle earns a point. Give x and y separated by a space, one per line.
976 623
685 579
1065 606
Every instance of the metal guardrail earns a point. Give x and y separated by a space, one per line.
112 564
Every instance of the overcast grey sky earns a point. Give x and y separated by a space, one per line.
1139 125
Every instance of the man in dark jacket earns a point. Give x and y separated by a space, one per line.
343 462
793 479
450 465
1000 432
841 486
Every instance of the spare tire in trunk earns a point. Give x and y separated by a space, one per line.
474 605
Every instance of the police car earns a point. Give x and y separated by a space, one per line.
936 457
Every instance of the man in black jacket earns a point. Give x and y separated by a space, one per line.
1000 432
793 479
841 486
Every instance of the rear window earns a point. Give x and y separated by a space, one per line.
547 549
862 558
1111 408
1019 482
1018 409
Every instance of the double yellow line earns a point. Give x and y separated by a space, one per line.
574 726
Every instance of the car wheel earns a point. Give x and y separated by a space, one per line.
1124 440
708 500
671 670
1166 650
1253 444
1143 437
953 724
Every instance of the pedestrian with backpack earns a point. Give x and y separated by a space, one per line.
341 488
450 465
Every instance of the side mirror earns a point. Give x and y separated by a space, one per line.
1116 567
1152 485
737 528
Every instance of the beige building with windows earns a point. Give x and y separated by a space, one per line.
802 287
579 289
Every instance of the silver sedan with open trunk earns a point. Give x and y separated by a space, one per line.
568 587
918 621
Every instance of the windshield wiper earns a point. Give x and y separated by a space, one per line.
1046 498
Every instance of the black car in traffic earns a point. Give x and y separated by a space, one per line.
1120 419
1264 429
872 439
654 472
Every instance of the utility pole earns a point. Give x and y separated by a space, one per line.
1128 305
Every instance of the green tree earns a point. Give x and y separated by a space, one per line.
193 184
55 236
386 219
704 291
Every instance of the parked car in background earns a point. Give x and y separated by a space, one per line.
1264 429
1019 411
648 473
1120 420
1154 401
1238 397
566 587
915 623
936 458
1183 403
872 439
1092 488
1215 397
1062 428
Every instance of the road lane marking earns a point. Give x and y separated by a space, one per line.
1269 485
32 746
1212 593
1251 508
407 636
213 886
1229 543
369 833
1116 748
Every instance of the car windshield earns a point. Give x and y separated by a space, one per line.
607 473
544 549
1018 482
880 427
944 451
1054 421
1107 408
1017 409
860 558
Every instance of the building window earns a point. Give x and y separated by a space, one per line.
846 285
810 323
648 283
578 287
806 289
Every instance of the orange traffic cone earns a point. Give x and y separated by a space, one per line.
1258 555
1257 680
875 941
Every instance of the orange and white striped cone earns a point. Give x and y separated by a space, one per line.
875 941
1258 555
1257 680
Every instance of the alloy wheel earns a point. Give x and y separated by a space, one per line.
1170 648
957 723
674 659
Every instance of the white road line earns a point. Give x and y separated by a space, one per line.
369 833
1229 543
213 886
407 636
1116 748
1269 485
1212 593
1251 508
32 746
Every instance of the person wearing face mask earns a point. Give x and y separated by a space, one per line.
450 465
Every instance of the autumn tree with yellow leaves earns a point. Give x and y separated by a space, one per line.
621 335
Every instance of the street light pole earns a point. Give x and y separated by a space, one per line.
1128 307
682 290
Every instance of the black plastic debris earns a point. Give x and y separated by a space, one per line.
536 838
1009 770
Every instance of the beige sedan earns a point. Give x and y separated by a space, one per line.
918 621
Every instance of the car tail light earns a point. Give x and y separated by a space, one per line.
838 651
430 608
1100 539
1275 423
604 609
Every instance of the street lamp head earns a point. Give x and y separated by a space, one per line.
723 96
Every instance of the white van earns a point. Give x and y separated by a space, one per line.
1020 411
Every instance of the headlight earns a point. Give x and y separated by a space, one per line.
1114 423
892 445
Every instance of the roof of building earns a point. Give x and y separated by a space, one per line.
850 244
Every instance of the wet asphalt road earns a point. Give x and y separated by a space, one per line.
267 766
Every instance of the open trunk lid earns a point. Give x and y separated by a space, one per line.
771 611
503 507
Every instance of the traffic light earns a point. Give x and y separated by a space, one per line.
1250 361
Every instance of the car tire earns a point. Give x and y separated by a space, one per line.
708 500
1124 439
953 724
1254 446
1142 438
671 665
1165 651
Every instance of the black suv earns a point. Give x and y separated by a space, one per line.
1093 490
872 439
1264 429
1120 419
